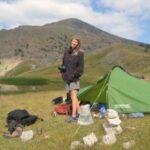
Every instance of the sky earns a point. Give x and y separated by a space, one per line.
125 18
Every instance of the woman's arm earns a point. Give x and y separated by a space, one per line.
80 68
62 68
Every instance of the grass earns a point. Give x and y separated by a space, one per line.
23 67
30 84
98 62
24 81
60 133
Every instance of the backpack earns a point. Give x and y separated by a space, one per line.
28 121
63 109
19 117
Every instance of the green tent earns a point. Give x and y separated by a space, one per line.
119 91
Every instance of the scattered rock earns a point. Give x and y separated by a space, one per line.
46 136
112 129
129 144
109 139
75 145
90 139
26 135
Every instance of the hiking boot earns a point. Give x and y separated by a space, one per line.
71 119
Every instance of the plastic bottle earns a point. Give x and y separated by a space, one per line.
102 110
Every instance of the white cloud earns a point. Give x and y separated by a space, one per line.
39 12
134 7
119 24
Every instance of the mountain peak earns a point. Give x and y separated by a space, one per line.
26 41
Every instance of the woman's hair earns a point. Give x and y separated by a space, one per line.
79 43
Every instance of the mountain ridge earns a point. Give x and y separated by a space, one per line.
45 44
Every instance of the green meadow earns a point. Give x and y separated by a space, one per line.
57 133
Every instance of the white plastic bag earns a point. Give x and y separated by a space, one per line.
85 117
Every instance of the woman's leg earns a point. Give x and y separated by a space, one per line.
75 103
78 107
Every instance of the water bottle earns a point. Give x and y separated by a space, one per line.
102 110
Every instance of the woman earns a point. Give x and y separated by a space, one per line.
72 69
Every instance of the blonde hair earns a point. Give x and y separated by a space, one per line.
76 50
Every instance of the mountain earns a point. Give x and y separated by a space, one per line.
40 41
45 44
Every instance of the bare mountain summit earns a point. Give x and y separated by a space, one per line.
45 44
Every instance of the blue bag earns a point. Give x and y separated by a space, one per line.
102 110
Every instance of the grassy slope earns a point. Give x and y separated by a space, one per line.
23 67
97 63
60 133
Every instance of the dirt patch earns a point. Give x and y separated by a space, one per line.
8 64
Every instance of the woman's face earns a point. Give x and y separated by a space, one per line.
74 43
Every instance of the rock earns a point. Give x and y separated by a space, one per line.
128 144
90 139
75 144
112 129
109 139
26 135
46 136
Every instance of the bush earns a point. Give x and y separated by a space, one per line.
24 81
